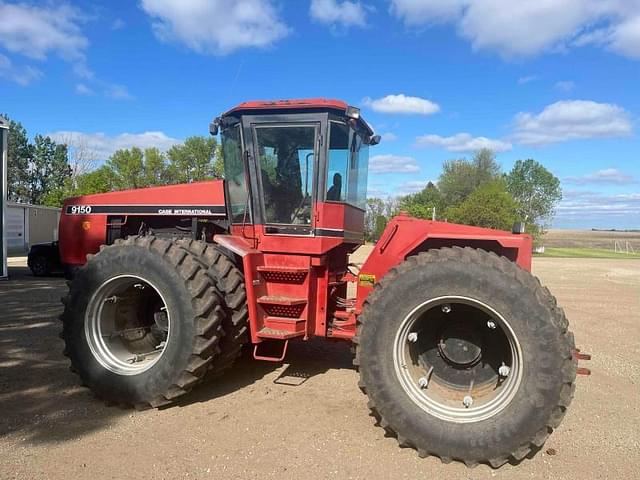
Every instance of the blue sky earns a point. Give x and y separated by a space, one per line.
554 80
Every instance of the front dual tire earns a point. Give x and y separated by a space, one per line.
466 357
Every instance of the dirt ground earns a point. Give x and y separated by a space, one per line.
306 418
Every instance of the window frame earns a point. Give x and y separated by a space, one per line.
247 180
252 122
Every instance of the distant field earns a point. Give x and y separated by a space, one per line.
560 252
587 239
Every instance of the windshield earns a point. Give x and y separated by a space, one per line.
286 155
348 166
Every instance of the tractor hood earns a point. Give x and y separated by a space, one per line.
198 198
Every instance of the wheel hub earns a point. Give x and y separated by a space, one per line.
460 345
448 359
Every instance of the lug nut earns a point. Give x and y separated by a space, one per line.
491 324
467 401
504 370
446 308
413 337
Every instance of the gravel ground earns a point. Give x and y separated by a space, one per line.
307 418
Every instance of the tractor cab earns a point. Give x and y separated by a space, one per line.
296 168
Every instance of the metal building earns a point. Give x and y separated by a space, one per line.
4 134
26 225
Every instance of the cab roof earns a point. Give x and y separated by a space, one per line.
300 105
293 104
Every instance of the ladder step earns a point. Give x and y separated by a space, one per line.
281 300
285 324
278 334
283 274
268 268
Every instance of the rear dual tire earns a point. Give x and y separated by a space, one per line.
229 281
502 423
142 322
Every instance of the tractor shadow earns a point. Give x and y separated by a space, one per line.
40 399
304 361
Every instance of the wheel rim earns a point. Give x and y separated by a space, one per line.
458 359
127 325
39 266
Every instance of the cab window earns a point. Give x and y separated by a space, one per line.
348 160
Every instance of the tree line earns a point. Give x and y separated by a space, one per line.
45 172
476 192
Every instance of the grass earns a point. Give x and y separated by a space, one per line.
557 252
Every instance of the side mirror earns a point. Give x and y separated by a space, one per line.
214 126
375 140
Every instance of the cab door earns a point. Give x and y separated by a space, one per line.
286 151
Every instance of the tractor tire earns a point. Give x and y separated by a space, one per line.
142 322
465 356
229 280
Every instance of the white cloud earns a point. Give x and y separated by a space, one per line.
216 26
103 145
597 205
527 28
571 120
35 32
565 85
625 38
611 176
463 142
82 89
388 137
412 186
420 12
393 164
22 75
333 12
402 104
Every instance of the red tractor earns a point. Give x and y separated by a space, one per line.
463 353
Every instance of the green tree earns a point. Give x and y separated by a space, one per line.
48 169
459 178
536 191
198 158
127 169
156 170
96 181
490 205
19 153
375 209
423 203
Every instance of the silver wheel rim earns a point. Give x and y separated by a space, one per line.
111 341
442 400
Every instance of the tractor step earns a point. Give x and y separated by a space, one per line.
281 300
293 325
271 358
283 274
278 334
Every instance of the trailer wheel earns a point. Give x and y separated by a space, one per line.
465 356
229 281
142 322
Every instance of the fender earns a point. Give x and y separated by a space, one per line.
406 236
